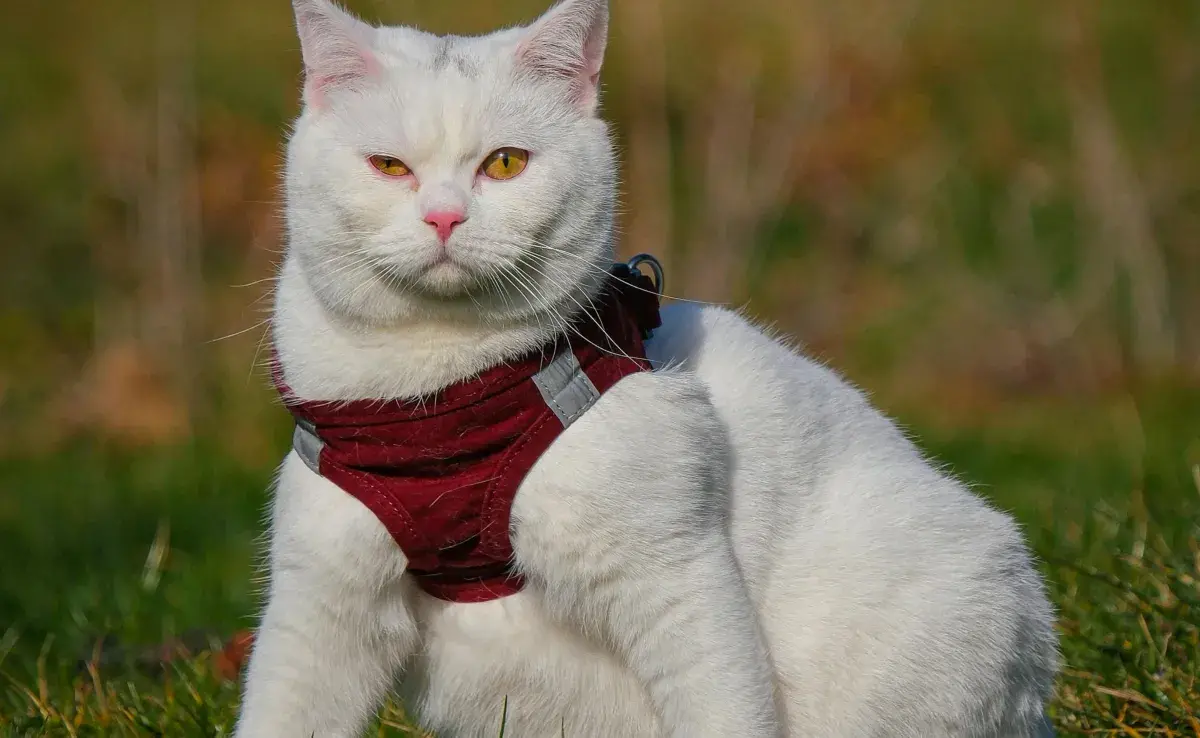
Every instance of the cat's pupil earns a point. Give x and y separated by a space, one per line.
504 160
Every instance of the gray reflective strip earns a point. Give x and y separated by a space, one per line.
565 388
308 444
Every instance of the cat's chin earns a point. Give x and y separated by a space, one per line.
442 281
447 280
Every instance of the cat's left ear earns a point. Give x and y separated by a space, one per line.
336 47
568 43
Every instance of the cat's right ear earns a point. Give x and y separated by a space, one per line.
336 47
568 43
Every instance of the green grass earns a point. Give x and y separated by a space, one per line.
143 548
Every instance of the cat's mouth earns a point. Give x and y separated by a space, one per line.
443 278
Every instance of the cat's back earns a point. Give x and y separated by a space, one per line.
765 391
858 552
798 431
794 424
815 469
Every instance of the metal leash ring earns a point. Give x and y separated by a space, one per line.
655 267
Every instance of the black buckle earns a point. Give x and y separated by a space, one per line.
643 293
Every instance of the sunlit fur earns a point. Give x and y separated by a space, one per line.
737 544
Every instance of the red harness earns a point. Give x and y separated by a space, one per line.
441 473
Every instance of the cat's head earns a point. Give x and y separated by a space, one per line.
463 177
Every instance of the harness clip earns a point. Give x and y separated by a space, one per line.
655 267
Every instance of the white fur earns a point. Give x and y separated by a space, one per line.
735 545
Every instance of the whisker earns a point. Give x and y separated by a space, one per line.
256 282
533 244
591 315
257 351
259 324
556 321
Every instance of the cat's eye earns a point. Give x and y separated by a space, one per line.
389 165
505 163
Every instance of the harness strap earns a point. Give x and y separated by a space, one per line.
308 444
563 384
566 388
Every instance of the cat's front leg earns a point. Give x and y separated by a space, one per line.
624 530
337 624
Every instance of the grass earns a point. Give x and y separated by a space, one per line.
115 548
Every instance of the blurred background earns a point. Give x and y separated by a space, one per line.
986 214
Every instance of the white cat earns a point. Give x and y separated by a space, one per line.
735 544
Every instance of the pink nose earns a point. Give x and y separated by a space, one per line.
443 221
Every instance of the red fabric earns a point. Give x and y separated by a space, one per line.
441 474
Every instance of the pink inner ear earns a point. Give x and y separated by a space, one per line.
582 71
335 46
593 55
350 65
371 65
568 43
315 87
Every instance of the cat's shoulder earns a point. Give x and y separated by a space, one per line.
666 415
732 352
666 400
693 332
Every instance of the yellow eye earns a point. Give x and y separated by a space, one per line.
505 163
390 166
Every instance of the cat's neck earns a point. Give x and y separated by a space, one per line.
325 357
